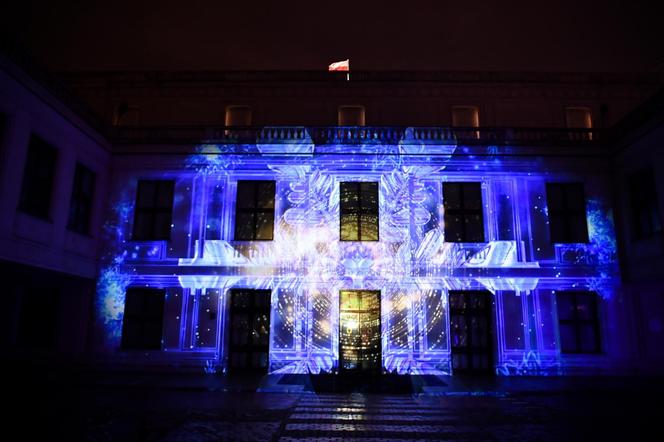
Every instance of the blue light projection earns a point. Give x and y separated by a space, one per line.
306 265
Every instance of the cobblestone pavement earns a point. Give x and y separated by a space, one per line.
131 414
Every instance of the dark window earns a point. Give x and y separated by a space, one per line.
359 211
38 319
154 210
643 198
463 212
143 320
470 331
578 322
567 212
82 193
249 330
38 178
254 210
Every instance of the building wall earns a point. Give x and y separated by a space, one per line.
43 254
306 265
390 98
640 151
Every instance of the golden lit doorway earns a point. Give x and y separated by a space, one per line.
359 330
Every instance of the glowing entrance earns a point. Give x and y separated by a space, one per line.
359 330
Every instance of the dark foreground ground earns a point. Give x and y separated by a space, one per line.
132 407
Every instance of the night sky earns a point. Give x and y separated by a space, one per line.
448 35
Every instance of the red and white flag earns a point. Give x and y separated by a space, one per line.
340 66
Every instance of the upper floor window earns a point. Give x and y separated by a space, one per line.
578 117
578 322
154 210
126 115
566 206
646 220
463 212
350 115
237 115
143 321
254 210
358 203
80 208
38 178
466 117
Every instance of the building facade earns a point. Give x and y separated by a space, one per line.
452 223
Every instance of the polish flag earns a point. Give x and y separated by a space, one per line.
340 66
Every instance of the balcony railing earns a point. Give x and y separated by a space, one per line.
321 135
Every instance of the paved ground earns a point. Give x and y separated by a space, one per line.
53 409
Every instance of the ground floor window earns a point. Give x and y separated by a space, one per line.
38 319
143 322
578 322
249 330
470 331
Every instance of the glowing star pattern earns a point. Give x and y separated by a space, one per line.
306 265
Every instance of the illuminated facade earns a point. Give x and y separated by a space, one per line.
409 270
289 245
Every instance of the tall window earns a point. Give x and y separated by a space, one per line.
254 210
143 320
646 220
358 203
38 178
154 210
463 212
38 321
237 115
578 117
567 212
350 115
82 193
578 322
126 115
465 117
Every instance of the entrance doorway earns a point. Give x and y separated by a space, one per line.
359 331
249 339
470 332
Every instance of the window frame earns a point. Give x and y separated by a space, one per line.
577 322
642 183
462 211
80 197
37 181
360 210
152 211
566 213
254 210
131 316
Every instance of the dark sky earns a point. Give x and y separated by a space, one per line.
561 35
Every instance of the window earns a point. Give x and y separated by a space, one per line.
153 210
463 212
37 327
237 116
567 212
578 322
126 115
466 117
358 203
643 198
82 193
254 214
350 115
579 118
38 178
143 320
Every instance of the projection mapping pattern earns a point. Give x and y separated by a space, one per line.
306 266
